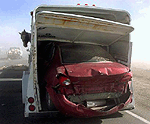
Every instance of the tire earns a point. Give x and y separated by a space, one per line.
49 102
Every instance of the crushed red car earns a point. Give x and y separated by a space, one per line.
84 80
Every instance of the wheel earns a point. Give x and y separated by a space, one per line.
49 102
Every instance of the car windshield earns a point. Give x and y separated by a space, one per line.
79 53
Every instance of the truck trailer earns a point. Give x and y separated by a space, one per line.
79 63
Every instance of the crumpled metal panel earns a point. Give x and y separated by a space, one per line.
93 69
81 98
86 29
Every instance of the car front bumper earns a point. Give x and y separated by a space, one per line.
77 110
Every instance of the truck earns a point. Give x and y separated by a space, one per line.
79 62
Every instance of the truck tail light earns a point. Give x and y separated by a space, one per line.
31 107
30 99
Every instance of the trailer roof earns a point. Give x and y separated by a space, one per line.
77 28
91 11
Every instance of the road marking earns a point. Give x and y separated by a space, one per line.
138 117
10 79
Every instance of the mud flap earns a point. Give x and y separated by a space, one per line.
24 85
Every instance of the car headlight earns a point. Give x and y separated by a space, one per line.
63 80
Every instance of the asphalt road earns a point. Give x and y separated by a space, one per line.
11 111
11 107
8 62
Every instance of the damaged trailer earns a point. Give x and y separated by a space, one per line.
79 62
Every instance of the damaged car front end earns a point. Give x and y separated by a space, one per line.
87 81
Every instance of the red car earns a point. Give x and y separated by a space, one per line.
84 80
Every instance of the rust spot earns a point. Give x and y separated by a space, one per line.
46 17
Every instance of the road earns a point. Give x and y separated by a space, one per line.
11 107
8 62
11 111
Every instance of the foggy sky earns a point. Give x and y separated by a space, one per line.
15 17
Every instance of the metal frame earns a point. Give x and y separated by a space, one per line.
32 85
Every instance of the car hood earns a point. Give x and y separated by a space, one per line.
93 69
